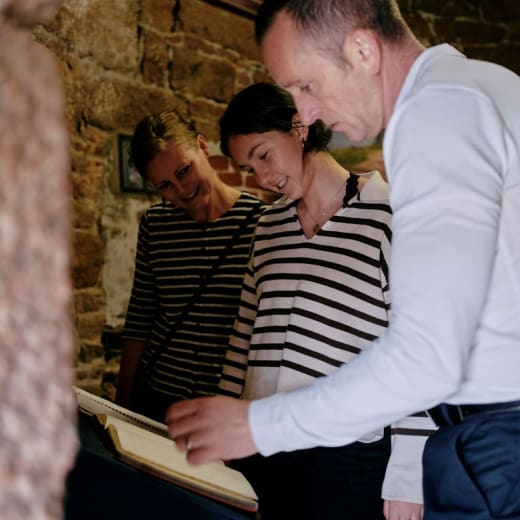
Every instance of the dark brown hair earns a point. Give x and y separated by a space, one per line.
264 107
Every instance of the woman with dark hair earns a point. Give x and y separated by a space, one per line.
191 255
315 294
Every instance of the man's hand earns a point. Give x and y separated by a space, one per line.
397 510
211 428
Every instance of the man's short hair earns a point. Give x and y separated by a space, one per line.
328 21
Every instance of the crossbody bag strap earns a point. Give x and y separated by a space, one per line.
203 283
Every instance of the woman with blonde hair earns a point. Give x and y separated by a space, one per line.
191 255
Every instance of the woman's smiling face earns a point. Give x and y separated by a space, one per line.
182 175
275 158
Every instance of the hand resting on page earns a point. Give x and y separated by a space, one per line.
211 428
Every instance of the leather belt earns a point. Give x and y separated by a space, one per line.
453 414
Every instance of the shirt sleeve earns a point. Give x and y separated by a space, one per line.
444 165
403 477
143 304
235 365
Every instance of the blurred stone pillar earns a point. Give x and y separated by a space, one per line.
37 408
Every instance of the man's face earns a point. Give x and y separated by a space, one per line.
345 96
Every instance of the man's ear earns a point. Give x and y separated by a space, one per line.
362 47
203 144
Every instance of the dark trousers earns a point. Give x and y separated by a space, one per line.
320 483
472 470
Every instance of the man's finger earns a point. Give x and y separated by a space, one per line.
182 409
200 455
182 420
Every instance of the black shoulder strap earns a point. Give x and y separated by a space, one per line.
218 261
195 296
351 188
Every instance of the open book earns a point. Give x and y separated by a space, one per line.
143 443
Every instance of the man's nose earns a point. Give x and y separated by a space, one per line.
307 110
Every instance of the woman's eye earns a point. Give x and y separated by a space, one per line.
184 171
263 156
163 186
305 88
247 170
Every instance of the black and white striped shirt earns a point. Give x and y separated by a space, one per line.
310 305
174 252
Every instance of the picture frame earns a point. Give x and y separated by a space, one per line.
247 8
130 181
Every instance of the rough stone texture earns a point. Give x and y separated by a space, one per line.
214 24
158 14
500 10
87 259
111 25
482 29
449 8
121 59
469 31
37 411
156 57
197 74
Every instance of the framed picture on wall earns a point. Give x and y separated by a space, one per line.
247 8
129 179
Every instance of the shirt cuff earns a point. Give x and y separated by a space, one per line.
264 423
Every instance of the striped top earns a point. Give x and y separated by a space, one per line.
174 252
310 305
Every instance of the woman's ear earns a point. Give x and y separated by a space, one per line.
301 130
203 144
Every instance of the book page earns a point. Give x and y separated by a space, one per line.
95 405
159 453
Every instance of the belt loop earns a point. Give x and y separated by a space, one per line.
453 413
446 415
460 415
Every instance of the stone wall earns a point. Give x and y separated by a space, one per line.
121 59
482 29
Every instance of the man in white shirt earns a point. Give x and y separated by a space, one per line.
452 154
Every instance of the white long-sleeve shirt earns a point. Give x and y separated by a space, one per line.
452 153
